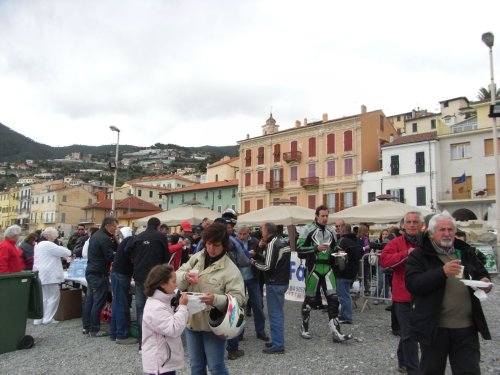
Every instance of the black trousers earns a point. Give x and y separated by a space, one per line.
461 345
408 348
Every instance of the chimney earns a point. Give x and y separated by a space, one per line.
391 138
363 109
297 123
248 136
325 117
305 122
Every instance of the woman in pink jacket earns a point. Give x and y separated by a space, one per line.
162 323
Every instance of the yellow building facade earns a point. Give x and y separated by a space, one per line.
312 163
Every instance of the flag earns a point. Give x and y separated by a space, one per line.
461 179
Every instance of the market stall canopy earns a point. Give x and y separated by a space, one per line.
378 212
192 213
279 215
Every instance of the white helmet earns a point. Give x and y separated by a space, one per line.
230 323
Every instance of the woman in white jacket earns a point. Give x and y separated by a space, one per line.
162 323
49 266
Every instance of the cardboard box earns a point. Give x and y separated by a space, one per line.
70 305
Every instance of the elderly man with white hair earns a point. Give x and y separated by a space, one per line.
48 264
446 315
11 258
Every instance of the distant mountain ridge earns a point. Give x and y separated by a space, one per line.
15 147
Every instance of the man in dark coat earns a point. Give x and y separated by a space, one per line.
346 269
102 247
149 249
446 316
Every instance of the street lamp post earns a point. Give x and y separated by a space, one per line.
113 200
488 39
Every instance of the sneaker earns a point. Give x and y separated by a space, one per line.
402 370
337 334
273 351
235 354
100 333
127 341
376 302
268 344
304 334
262 336
85 331
343 321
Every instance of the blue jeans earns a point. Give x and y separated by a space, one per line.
97 289
140 302
344 293
120 311
275 297
255 299
205 349
382 283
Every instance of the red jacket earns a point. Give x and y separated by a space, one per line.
11 258
394 256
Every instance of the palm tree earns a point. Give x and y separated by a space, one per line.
485 94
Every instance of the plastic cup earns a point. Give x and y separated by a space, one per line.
460 274
195 273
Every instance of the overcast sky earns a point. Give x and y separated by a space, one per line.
195 72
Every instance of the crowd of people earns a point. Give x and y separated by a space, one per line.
224 267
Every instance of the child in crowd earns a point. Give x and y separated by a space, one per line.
163 322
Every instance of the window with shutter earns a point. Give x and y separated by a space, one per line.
277 153
394 165
248 158
260 204
260 177
330 144
293 173
347 167
348 140
420 162
260 156
311 201
330 168
246 204
248 178
312 147
421 198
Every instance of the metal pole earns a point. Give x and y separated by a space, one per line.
495 148
113 197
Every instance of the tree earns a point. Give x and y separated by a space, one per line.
485 94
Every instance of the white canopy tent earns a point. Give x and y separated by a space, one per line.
378 212
279 215
193 214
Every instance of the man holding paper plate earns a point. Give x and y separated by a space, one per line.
447 281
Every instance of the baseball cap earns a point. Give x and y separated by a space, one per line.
186 227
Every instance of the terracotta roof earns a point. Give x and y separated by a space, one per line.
208 185
221 162
414 138
136 204
159 177
149 186
138 214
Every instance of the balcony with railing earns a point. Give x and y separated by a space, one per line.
309 182
465 126
274 186
293 156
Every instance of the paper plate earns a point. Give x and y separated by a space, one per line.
476 283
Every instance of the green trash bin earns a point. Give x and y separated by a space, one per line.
20 294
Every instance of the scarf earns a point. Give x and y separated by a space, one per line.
411 239
443 250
